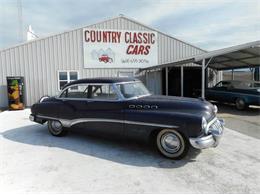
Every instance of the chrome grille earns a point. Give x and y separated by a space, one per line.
216 125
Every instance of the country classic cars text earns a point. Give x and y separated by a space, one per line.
139 43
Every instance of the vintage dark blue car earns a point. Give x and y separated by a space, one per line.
124 106
241 93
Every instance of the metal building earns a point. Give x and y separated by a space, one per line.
48 63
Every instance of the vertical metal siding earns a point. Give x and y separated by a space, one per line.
3 73
39 61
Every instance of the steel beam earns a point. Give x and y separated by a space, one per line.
146 78
166 80
203 79
232 59
208 62
182 82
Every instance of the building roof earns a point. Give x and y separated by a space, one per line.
102 80
112 18
246 55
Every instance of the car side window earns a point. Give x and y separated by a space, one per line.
223 85
102 92
80 91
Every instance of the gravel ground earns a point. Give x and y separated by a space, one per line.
31 160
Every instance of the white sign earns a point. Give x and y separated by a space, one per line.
119 48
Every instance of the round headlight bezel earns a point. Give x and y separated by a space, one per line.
204 124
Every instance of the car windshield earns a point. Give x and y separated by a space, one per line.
133 89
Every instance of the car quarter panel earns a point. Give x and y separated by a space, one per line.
49 108
143 122
149 115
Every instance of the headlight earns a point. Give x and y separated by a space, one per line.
204 124
215 109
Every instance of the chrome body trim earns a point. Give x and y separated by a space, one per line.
69 123
209 124
88 99
222 121
151 124
211 139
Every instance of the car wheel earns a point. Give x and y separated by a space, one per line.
240 104
56 128
171 144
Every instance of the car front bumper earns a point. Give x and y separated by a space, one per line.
31 117
213 137
36 119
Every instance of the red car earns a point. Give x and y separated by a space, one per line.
105 58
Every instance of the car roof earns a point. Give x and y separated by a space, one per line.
102 80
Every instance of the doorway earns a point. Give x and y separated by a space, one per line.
191 81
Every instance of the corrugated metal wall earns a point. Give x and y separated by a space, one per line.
39 61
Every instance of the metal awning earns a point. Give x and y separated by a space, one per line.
240 56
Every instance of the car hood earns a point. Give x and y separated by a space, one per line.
194 106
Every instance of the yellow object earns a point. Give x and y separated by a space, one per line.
15 95
16 106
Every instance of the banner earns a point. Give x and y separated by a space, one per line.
119 48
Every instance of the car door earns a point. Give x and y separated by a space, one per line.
95 107
218 92
137 114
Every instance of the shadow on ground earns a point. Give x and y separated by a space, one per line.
124 151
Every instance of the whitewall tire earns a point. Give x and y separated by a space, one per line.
171 144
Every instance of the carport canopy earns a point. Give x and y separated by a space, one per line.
240 56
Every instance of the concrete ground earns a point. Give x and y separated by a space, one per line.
31 160
246 121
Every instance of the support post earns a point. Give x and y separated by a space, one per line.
146 78
232 74
182 81
203 79
166 80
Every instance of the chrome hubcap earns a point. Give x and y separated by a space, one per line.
170 142
240 103
56 126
